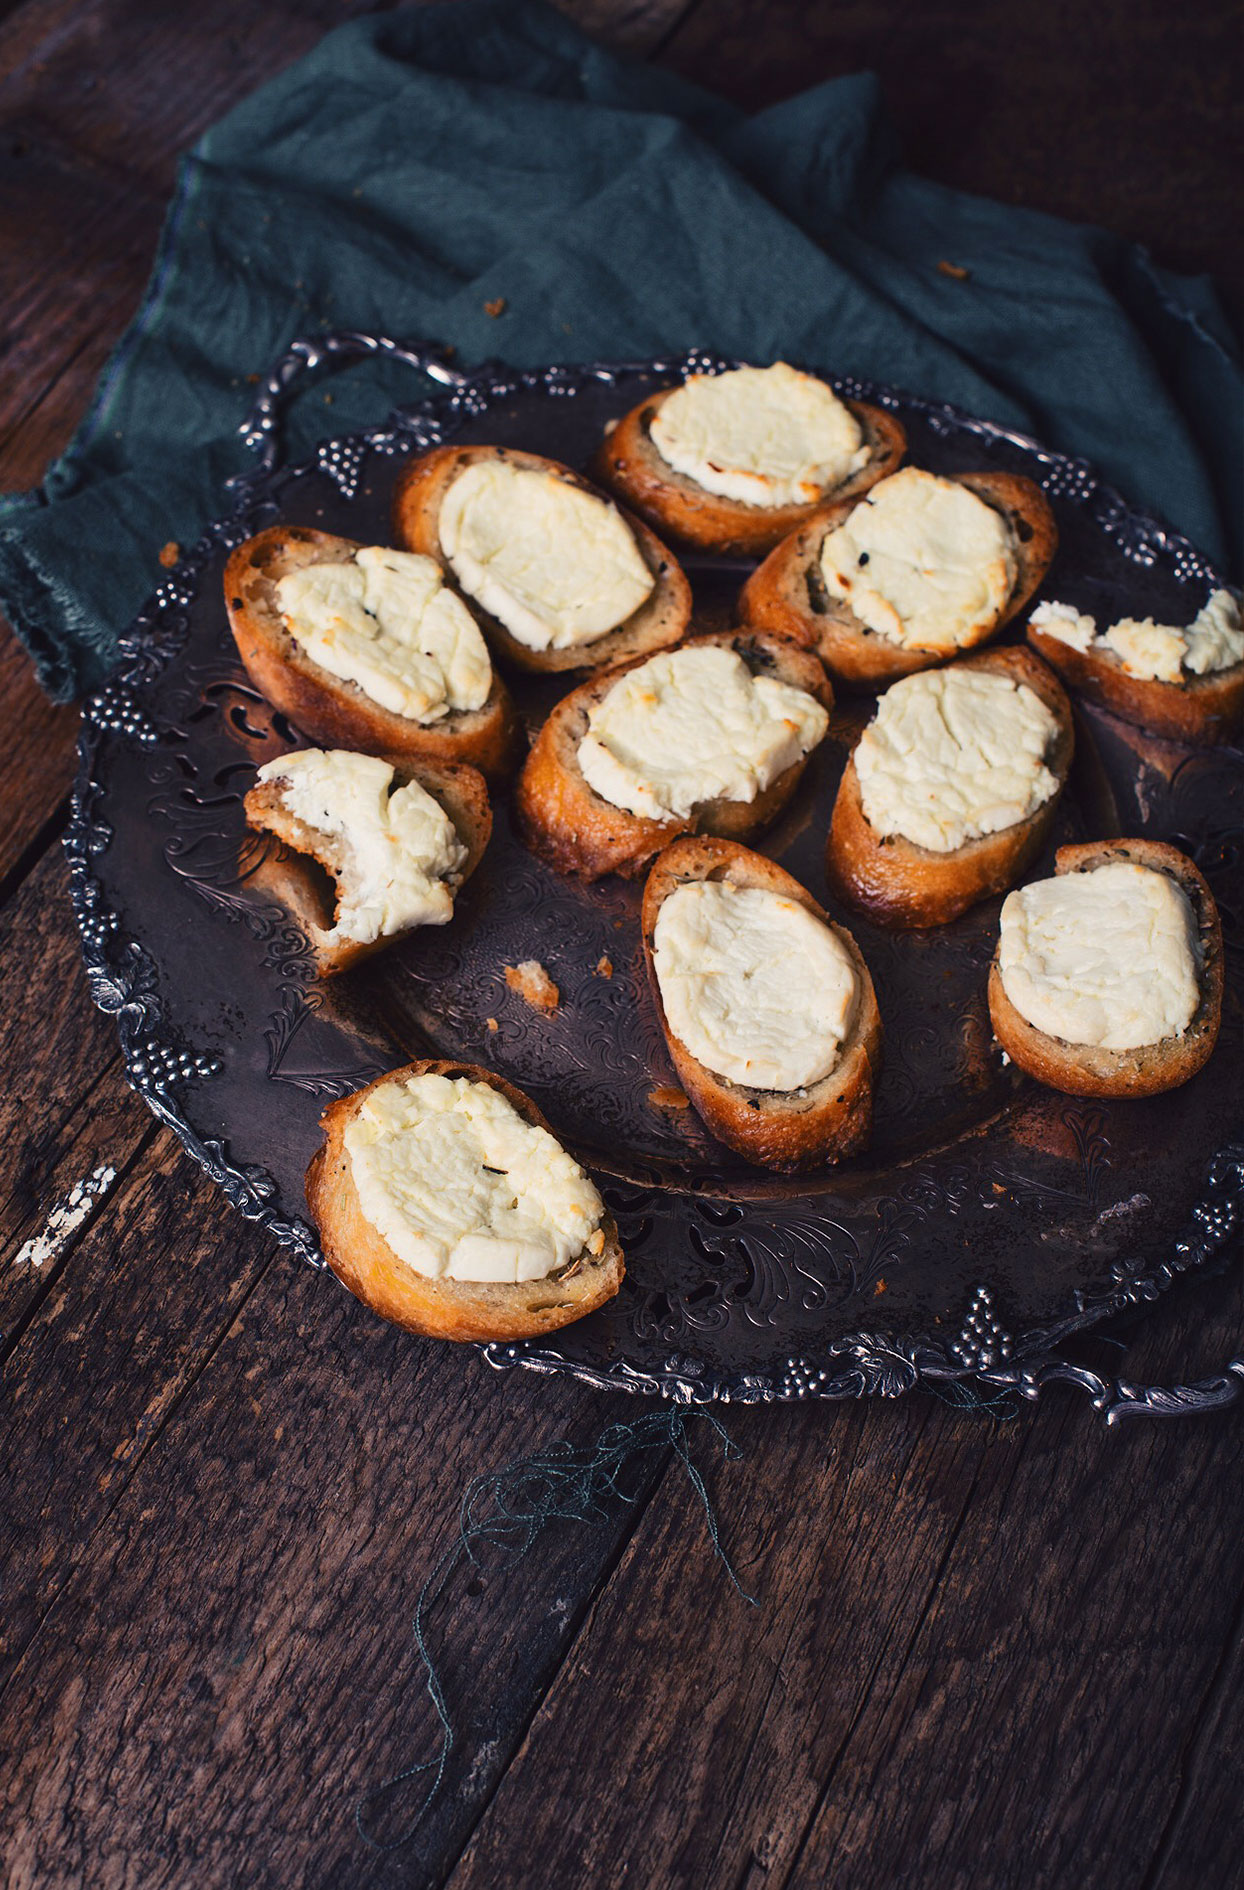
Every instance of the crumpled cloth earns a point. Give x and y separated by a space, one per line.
421 165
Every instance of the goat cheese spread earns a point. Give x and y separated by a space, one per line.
1067 624
385 622
557 566
1151 651
954 754
922 561
462 1187
695 725
762 436
759 990
1108 957
394 848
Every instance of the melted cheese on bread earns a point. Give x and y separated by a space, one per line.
954 754
397 846
695 725
384 621
1151 651
922 561
558 566
761 436
1107 957
462 1187
759 990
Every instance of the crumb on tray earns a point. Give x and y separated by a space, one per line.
169 554
533 984
604 967
666 1096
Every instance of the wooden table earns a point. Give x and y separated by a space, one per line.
984 1654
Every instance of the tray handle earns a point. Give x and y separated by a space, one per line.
261 430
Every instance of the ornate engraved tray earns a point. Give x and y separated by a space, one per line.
991 1219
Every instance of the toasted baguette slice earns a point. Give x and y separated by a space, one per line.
363 1260
1086 1069
1204 711
564 821
327 710
787 593
661 619
783 1129
461 791
627 461
899 883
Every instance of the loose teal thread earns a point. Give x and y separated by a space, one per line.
507 1509
1000 1405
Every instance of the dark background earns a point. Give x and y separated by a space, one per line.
985 1653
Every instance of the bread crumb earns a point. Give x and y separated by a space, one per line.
604 968
495 307
665 1096
491 1023
169 554
955 270
596 1242
879 1289
533 984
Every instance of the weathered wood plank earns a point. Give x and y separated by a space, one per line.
973 1642
230 1666
64 1110
110 1350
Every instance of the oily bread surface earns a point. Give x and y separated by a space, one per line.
1087 1069
627 461
328 711
1203 710
364 1262
660 621
786 593
784 1130
565 822
901 884
460 790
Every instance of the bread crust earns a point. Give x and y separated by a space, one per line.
901 884
786 593
784 1130
565 822
460 790
333 713
660 621
1086 1069
364 1262
627 461
1204 711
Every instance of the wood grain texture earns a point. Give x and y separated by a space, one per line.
232 1666
1008 1655
967 1665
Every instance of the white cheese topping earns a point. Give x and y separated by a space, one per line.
386 622
756 987
1148 649
764 436
1108 957
462 1188
954 754
1215 637
1156 652
695 725
397 846
922 561
556 565
1067 624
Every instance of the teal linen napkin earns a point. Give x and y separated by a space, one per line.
419 165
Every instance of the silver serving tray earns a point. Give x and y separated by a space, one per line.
991 1220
